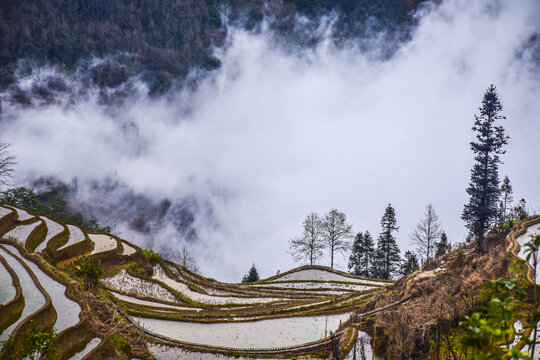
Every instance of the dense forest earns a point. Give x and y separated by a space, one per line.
162 39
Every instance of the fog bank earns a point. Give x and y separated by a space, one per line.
276 134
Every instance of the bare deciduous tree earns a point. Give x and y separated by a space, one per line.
427 231
7 164
309 245
335 232
186 259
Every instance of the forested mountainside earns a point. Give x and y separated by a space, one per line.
162 39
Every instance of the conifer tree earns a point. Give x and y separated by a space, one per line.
387 256
483 188
410 263
362 252
335 232
442 246
252 275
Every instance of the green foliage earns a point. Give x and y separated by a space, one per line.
21 197
251 276
442 247
531 250
410 263
483 190
362 252
161 39
55 206
508 225
120 343
167 36
7 347
89 271
35 344
488 333
151 256
387 256
519 212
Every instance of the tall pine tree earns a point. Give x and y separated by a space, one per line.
387 256
483 188
362 252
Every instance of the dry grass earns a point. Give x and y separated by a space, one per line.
448 291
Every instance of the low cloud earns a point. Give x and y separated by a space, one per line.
276 134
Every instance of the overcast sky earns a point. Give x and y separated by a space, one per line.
274 135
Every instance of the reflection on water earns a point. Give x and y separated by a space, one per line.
361 349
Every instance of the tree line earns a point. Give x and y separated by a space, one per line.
490 206
381 259
162 40
332 233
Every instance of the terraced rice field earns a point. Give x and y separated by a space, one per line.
170 310
135 286
70 309
128 250
102 243
34 299
306 285
23 214
160 275
324 275
134 300
92 344
76 235
169 305
7 290
270 333
53 229
531 232
21 232
4 211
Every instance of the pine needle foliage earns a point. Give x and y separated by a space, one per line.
362 253
483 190
387 256
252 275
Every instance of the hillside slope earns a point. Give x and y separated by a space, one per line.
148 307
160 41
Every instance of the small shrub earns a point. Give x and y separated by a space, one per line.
508 225
89 271
151 256
35 344
120 343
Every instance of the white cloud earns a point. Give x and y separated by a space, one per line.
274 135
